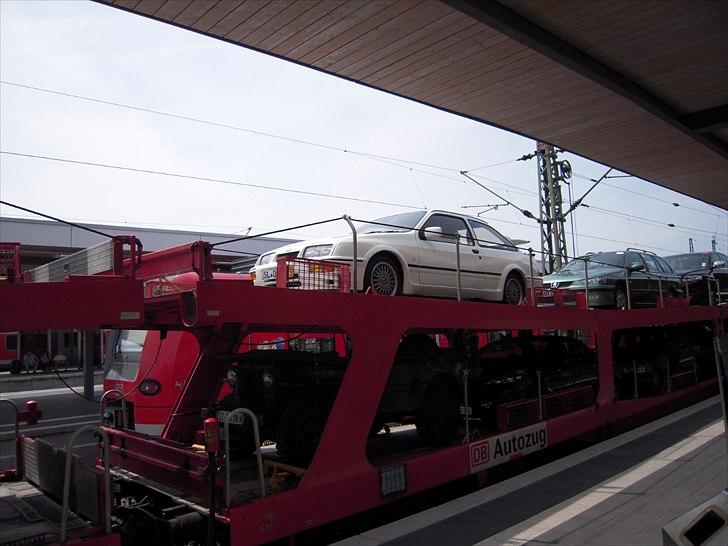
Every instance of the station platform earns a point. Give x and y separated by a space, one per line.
621 491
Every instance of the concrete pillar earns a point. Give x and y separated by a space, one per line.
88 362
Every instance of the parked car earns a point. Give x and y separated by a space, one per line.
292 392
607 279
655 360
693 268
508 369
415 253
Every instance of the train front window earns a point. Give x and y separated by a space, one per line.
126 356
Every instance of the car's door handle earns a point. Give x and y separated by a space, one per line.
476 251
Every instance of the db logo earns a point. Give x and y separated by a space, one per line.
479 453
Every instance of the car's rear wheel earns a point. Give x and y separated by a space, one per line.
513 290
383 275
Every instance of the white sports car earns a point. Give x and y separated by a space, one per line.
415 253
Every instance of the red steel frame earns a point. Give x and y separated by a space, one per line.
341 480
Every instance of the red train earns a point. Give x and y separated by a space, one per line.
170 484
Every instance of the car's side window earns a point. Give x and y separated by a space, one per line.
488 237
443 228
665 266
634 260
652 264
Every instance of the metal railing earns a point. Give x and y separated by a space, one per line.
67 478
259 456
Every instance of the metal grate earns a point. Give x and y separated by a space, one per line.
44 467
302 274
522 413
555 297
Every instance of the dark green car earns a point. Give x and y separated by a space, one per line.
608 273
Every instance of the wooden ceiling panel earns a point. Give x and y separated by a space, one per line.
331 28
235 17
313 28
215 14
409 47
260 17
190 15
146 7
171 9
306 19
317 57
392 31
647 41
423 58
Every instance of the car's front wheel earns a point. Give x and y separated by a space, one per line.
383 276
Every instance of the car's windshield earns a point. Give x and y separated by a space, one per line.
689 261
394 223
602 259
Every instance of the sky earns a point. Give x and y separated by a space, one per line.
93 51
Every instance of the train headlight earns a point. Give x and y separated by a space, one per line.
150 387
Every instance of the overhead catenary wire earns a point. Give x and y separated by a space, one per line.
274 188
221 125
206 179
525 212
673 203
330 147
246 237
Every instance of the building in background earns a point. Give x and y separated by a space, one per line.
43 241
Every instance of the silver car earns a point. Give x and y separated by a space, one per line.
415 253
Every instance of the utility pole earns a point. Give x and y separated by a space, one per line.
690 244
551 173
714 244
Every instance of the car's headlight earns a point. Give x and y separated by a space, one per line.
232 377
317 251
593 282
265 259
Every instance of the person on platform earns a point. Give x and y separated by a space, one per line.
30 361
45 362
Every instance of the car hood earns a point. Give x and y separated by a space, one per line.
692 271
300 245
567 277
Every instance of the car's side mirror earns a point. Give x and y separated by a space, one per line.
637 267
434 232
718 263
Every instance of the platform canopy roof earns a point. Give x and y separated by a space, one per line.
639 86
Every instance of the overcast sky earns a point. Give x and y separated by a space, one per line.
94 51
